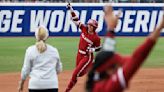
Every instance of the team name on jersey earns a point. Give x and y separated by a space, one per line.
86 39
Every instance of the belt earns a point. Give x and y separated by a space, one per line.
82 52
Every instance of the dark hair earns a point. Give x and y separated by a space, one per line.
100 59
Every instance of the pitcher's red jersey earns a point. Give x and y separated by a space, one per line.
88 40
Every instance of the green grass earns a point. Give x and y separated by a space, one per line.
12 51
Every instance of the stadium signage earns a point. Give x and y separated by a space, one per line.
23 19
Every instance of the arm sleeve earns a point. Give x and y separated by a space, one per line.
110 34
137 58
122 59
97 45
109 42
26 69
76 20
59 66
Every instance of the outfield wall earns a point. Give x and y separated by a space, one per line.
21 19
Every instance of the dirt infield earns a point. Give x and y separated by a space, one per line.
146 80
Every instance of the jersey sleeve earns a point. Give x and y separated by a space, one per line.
121 59
97 44
83 28
76 20
137 58
26 66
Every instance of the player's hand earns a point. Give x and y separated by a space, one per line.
69 6
163 20
156 33
20 87
161 25
90 50
110 18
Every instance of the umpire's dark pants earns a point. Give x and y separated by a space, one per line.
43 90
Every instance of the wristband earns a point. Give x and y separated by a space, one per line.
110 33
109 44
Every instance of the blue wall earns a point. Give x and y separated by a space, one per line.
23 19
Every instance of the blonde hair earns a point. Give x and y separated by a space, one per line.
41 35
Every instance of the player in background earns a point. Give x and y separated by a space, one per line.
42 63
112 72
89 43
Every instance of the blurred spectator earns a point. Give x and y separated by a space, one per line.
123 1
135 1
90 1
106 1
76 0
151 1
120 1
7 0
145 1
158 1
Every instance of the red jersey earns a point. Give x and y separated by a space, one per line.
88 40
119 81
